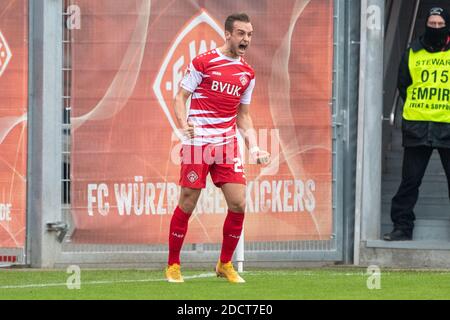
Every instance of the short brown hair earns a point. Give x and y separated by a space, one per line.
229 23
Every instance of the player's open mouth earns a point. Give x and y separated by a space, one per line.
243 47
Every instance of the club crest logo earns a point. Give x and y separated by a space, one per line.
200 35
192 176
244 80
5 54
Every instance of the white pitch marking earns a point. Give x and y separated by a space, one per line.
47 285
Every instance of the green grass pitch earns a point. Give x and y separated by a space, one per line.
289 284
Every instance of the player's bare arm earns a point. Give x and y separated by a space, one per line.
245 126
180 113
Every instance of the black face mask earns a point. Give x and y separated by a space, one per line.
437 38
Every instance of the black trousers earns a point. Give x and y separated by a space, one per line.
415 161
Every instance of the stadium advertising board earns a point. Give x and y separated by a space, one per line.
13 121
128 58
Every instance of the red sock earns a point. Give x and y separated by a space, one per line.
232 230
178 230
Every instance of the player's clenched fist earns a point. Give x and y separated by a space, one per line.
188 131
260 156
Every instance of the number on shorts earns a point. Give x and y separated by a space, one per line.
238 165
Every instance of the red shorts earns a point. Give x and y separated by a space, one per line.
223 162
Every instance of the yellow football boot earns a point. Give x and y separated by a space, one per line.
173 273
226 270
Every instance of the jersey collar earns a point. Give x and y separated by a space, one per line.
226 57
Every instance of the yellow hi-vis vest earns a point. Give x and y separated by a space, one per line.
428 97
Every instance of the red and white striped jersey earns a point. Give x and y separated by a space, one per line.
219 84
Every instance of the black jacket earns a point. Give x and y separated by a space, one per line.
420 133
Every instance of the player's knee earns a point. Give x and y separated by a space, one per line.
188 205
188 202
237 206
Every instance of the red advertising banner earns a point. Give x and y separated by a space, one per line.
128 58
13 121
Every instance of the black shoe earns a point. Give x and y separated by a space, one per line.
398 235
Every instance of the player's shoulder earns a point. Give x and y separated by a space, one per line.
206 56
203 59
248 67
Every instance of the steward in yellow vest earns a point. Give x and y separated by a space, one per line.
424 85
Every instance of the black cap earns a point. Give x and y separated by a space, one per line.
437 11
